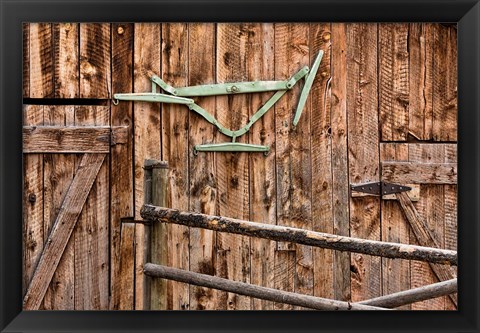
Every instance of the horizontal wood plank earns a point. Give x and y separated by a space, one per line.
419 173
72 139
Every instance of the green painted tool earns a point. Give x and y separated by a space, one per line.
180 96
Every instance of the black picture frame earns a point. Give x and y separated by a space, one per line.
465 12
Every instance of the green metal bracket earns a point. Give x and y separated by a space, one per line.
178 96
153 97
306 88
232 147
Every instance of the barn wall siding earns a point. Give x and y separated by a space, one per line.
384 92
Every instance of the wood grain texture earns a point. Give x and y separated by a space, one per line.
121 173
261 41
59 170
396 273
175 151
95 54
41 60
233 259
419 173
92 230
393 81
340 181
451 203
241 288
33 233
306 174
66 72
160 251
284 274
147 129
62 229
414 295
202 179
293 166
321 157
431 211
298 236
71 139
363 157
444 123
124 285
420 111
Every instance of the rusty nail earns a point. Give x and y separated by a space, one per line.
120 30
324 74
32 197
326 37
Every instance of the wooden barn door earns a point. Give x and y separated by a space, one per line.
401 109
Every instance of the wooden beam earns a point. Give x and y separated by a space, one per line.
424 237
419 173
247 289
72 139
299 236
62 229
414 295
158 232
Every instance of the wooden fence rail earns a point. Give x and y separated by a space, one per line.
241 288
299 236
414 295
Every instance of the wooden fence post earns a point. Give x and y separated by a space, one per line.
156 193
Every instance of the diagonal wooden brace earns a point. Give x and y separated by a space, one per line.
62 229
425 238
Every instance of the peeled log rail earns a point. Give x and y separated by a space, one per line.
299 236
414 295
246 289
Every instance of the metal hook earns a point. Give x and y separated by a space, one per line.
115 101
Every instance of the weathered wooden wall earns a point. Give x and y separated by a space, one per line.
384 92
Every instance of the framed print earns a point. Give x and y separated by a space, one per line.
217 166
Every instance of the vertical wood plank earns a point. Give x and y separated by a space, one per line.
233 259
91 233
175 151
121 172
396 273
284 274
420 111
340 181
41 60
147 132
321 139
260 46
65 37
431 209
393 80
445 83
202 179
33 233
124 286
26 60
59 170
293 165
363 155
95 78
451 204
